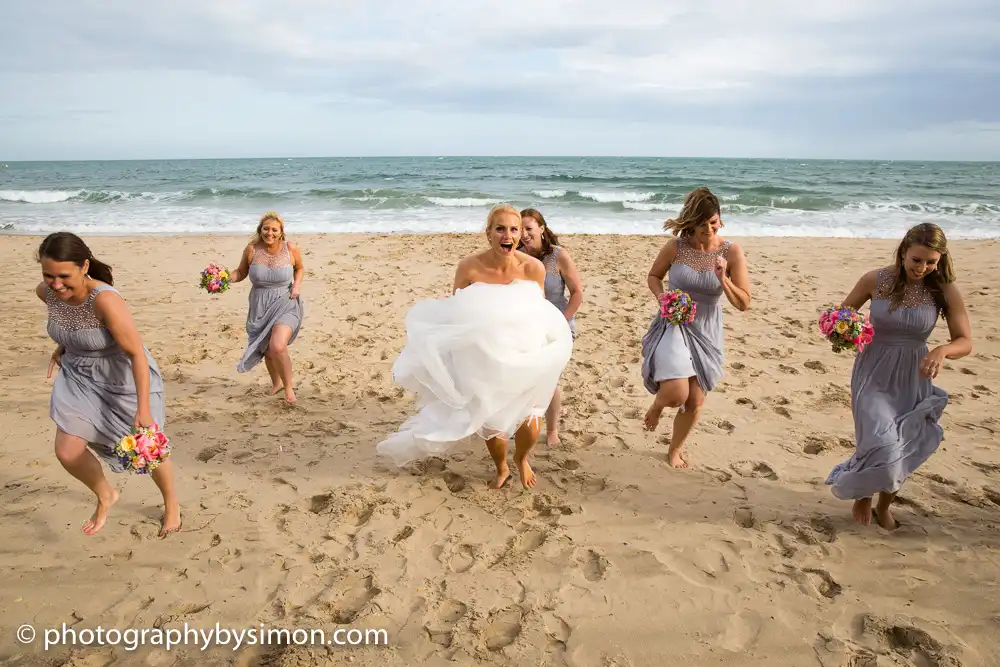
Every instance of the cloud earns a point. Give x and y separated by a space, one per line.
775 65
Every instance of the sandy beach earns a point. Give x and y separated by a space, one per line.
612 560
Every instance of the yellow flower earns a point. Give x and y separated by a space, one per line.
841 326
128 443
224 274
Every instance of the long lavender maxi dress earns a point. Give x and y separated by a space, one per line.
694 350
270 303
896 411
94 395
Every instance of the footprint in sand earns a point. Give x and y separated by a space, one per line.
818 530
756 469
744 517
454 481
907 641
503 628
462 559
744 401
815 366
529 540
593 565
812 581
441 627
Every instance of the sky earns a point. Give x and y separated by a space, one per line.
116 79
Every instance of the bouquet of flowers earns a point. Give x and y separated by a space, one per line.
143 450
677 307
215 279
845 328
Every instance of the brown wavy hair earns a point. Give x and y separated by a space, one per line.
932 237
68 247
549 238
270 215
699 205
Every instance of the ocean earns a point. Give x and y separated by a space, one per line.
594 195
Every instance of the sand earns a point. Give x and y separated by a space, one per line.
614 559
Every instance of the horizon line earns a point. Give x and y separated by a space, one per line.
511 156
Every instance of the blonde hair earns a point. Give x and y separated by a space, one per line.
699 205
499 210
270 215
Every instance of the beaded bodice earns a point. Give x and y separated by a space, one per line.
70 317
696 259
915 294
281 259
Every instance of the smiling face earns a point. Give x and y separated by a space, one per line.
531 234
708 229
271 231
919 261
504 233
66 279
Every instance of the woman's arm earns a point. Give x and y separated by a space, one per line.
243 270
300 270
862 291
461 276
959 327
657 272
572 278
113 313
735 278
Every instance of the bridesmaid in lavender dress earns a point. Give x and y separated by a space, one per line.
895 404
274 318
106 383
680 365
563 289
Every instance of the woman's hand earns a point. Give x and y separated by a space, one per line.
294 292
55 361
931 364
143 418
721 266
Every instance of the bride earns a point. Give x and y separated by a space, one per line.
485 360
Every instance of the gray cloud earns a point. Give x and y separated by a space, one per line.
773 66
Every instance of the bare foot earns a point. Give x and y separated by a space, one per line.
290 397
527 474
552 439
275 388
171 522
863 511
652 418
104 505
675 459
885 519
503 474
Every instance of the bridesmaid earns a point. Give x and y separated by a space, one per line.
680 365
107 382
561 277
895 404
274 266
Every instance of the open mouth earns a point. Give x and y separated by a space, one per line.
507 246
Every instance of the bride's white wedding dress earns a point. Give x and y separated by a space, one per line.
480 362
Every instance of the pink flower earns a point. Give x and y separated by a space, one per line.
826 327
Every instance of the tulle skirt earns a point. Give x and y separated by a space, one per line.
480 362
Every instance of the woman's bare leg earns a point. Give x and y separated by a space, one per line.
684 422
277 350
670 394
552 419
80 462
163 476
498 452
524 441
